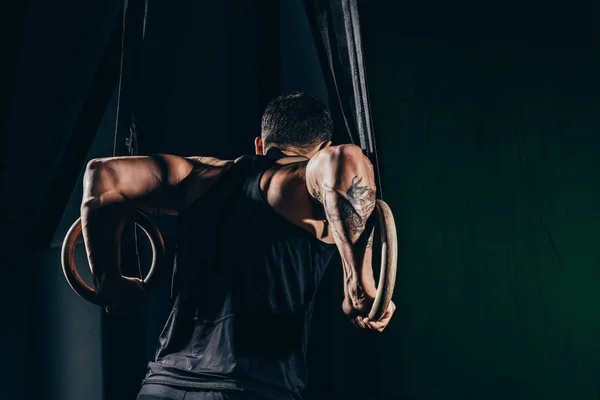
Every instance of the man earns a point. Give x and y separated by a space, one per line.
254 238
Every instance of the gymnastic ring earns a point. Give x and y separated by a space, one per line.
68 256
389 261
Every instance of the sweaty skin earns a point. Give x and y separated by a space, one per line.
330 193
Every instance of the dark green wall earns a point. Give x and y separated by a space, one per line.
489 139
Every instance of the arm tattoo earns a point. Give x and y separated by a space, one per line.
354 211
361 197
332 217
351 219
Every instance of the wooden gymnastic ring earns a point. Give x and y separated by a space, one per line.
68 256
389 261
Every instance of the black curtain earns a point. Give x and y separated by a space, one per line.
337 34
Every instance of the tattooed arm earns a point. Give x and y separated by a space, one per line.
342 179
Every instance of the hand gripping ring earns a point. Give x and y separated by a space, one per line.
68 256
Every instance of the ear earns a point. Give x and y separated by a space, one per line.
258 146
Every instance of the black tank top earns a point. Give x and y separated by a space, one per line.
244 286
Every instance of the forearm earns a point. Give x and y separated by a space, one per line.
352 228
102 227
103 212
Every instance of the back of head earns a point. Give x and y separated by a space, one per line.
296 121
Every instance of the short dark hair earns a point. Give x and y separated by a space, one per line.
296 120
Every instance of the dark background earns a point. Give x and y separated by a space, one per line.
486 117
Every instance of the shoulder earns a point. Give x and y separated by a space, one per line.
284 189
288 193
333 155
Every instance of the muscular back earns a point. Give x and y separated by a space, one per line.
285 189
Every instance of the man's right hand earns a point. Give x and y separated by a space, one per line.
358 313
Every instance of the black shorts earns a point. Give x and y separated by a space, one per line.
163 392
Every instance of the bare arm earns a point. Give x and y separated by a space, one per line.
111 186
342 179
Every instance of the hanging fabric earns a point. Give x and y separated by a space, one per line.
134 29
135 13
336 29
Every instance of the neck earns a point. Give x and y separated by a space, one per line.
289 152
